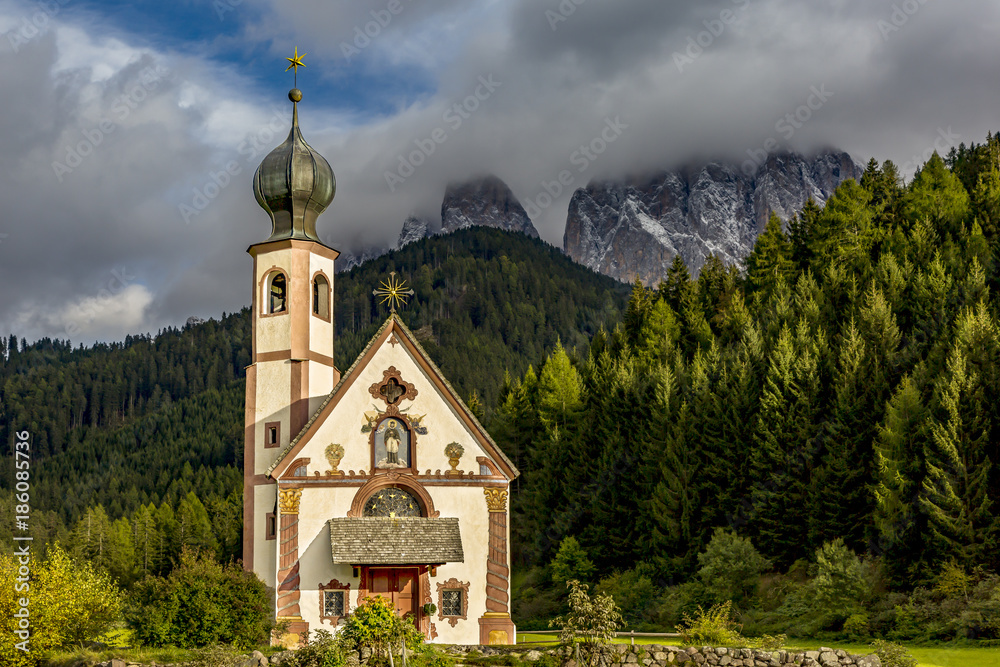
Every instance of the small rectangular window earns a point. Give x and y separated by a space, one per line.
271 526
272 434
451 602
333 603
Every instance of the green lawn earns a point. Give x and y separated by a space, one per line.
528 637
937 656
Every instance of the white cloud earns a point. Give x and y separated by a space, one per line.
102 316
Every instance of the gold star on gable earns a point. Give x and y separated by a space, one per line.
393 291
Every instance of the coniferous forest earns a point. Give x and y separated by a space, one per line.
827 414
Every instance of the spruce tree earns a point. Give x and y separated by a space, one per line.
955 490
770 257
899 464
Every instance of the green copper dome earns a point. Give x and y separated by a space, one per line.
294 184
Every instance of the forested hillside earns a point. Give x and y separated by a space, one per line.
814 438
844 387
157 422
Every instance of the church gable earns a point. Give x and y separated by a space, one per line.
394 412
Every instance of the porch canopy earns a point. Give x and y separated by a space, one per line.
396 541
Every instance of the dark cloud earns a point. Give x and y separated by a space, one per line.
893 83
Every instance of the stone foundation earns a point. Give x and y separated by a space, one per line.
656 655
640 655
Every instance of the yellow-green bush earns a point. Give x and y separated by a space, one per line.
69 603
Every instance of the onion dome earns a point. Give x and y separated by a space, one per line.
294 184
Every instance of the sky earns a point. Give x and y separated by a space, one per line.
130 130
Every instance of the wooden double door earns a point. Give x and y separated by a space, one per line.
400 586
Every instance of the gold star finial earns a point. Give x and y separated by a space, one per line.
393 291
295 62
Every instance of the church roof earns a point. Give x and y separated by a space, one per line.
393 323
395 541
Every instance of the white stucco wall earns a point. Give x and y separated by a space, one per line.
451 497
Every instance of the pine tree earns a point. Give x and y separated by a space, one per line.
194 529
784 450
770 257
147 540
677 284
800 234
955 489
938 196
846 462
899 456
986 203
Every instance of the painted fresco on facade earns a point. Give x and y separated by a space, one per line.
392 444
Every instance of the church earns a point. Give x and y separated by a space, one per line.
377 480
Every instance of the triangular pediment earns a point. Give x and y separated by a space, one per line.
357 380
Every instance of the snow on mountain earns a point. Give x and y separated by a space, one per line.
634 227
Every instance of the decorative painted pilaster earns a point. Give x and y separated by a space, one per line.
288 562
495 626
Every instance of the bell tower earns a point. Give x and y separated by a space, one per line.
291 371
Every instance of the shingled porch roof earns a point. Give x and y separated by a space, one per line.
395 541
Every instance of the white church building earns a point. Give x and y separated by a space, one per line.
373 481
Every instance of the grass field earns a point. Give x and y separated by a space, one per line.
936 656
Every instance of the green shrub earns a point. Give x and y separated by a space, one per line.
730 567
322 650
840 584
595 619
856 626
376 624
428 655
201 603
714 627
70 603
892 655
635 594
571 562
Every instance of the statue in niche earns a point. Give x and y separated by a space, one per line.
392 444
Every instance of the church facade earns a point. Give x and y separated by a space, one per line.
375 481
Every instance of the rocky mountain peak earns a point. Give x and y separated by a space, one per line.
486 202
635 226
483 202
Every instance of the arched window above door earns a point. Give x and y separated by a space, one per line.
392 502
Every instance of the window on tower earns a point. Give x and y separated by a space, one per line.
277 294
321 297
